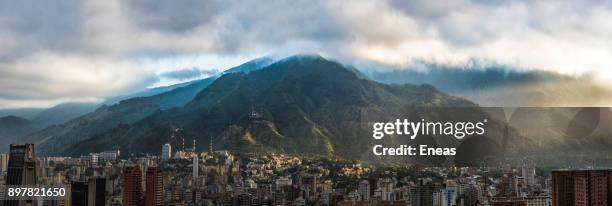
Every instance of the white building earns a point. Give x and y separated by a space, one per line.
107 156
92 158
3 163
195 167
282 181
166 152
437 198
539 200
364 190
449 194
528 173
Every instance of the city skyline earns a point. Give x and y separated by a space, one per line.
281 180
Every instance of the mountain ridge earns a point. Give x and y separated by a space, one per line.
107 117
300 105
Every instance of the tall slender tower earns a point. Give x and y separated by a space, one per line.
155 187
166 152
96 195
193 149
21 170
210 147
195 178
132 186
195 167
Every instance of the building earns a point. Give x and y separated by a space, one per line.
96 194
581 187
282 181
508 201
21 170
195 167
244 199
3 163
538 200
423 194
79 192
528 173
364 190
154 187
132 186
308 183
108 156
563 188
448 196
437 198
166 152
93 158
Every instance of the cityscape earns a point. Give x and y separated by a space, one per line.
218 177
305 103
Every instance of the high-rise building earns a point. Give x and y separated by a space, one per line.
308 183
154 186
386 187
21 170
79 192
166 152
528 172
581 187
423 194
195 167
364 190
96 194
448 196
21 166
132 186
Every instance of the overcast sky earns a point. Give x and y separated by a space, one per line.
85 50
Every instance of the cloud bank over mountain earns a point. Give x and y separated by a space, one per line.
495 85
69 50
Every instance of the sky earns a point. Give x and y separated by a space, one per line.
86 50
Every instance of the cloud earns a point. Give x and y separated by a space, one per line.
49 77
113 37
188 73
561 36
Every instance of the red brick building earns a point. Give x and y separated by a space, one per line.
154 186
582 187
132 186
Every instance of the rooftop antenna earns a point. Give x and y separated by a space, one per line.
194 146
210 147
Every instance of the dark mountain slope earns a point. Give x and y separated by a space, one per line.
59 137
62 113
12 127
499 85
302 104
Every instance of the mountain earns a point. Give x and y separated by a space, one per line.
13 126
302 104
149 92
62 113
576 129
127 111
27 113
250 66
246 68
